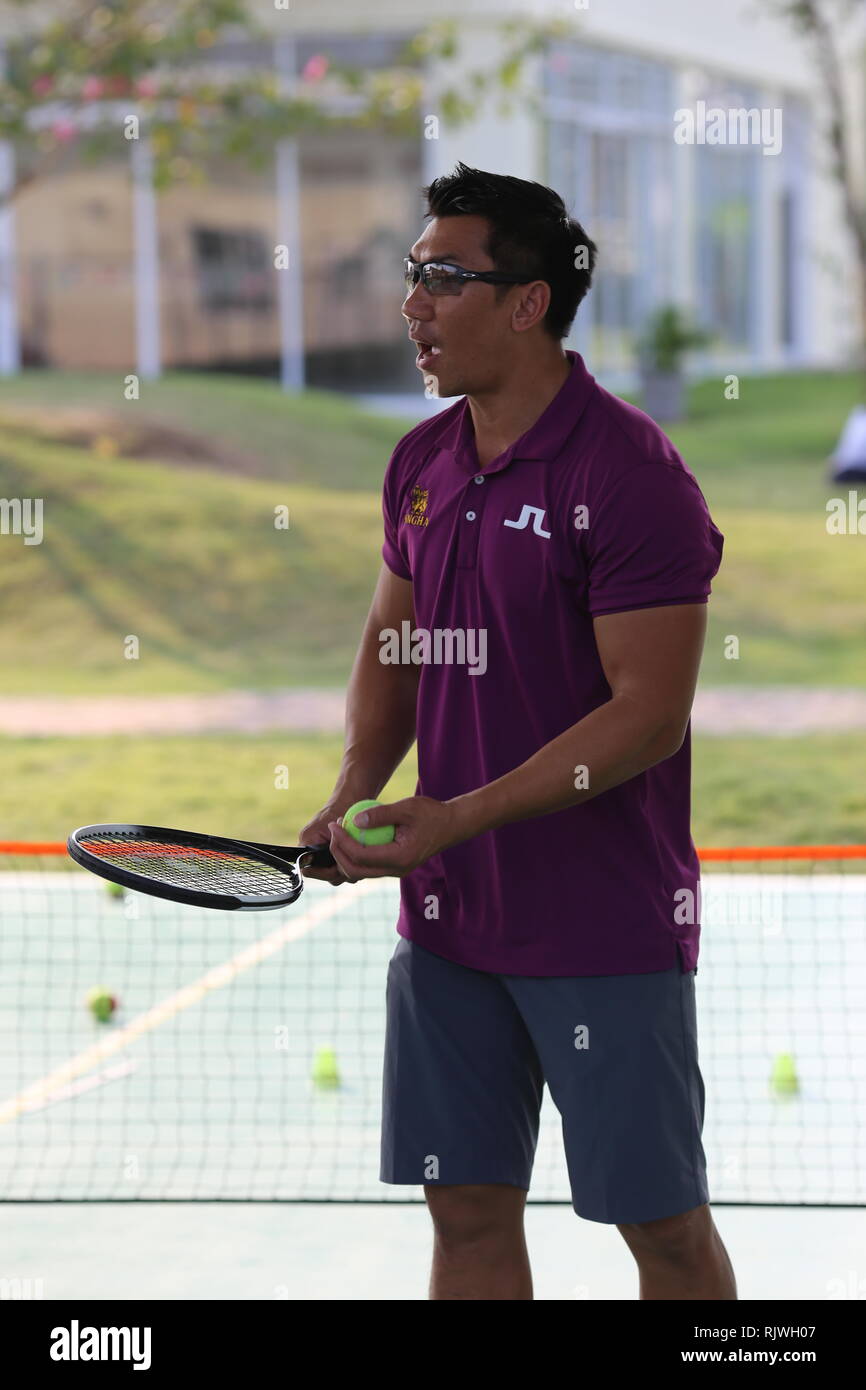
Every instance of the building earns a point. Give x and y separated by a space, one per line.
747 235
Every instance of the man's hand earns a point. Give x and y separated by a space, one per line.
316 832
423 828
380 717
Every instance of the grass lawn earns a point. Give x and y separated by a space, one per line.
190 562
186 556
318 437
747 791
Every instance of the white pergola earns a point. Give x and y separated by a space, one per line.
145 235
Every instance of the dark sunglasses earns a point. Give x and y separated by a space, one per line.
439 278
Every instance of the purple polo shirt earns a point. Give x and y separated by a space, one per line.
592 511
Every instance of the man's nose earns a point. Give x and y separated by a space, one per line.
417 304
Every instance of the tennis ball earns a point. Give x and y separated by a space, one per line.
115 890
101 1004
784 1079
382 835
326 1073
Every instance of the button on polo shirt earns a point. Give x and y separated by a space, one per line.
591 512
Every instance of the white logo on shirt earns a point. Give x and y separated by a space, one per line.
522 522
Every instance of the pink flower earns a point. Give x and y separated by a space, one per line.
93 88
146 87
63 131
41 86
315 68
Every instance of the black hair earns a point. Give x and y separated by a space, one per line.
531 234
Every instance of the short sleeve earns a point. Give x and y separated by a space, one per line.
651 542
391 496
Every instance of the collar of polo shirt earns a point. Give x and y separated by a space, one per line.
543 440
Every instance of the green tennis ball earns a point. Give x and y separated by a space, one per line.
784 1079
115 890
326 1073
382 835
101 1004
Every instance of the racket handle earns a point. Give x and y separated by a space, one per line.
315 856
318 857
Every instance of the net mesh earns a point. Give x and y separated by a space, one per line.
190 866
243 1059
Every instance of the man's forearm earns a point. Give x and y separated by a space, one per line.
610 745
380 722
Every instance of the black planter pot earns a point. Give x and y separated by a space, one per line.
663 394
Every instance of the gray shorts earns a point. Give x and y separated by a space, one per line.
466 1057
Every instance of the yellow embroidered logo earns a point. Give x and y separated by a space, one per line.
417 507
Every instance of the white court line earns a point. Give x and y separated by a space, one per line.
220 975
87 1083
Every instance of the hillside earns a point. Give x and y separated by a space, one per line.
243 425
181 551
188 561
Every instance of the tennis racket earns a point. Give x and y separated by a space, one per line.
202 870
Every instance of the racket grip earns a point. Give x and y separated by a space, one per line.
318 857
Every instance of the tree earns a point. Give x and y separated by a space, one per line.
78 71
825 24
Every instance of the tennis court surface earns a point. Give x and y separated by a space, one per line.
244 1059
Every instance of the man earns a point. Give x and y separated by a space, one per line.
549 928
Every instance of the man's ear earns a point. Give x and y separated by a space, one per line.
532 305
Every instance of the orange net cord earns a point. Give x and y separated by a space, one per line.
740 852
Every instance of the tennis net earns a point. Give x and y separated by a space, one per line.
243 1058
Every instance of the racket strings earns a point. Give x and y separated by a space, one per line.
192 866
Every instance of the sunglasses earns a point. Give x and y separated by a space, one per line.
439 278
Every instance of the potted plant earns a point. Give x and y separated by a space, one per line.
668 336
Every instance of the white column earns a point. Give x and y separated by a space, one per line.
809 195
767 234
290 285
146 261
10 347
687 87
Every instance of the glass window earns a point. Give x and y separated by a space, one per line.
233 268
593 76
610 156
726 197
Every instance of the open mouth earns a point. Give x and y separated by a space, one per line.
427 353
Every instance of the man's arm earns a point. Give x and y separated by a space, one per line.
650 659
380 713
